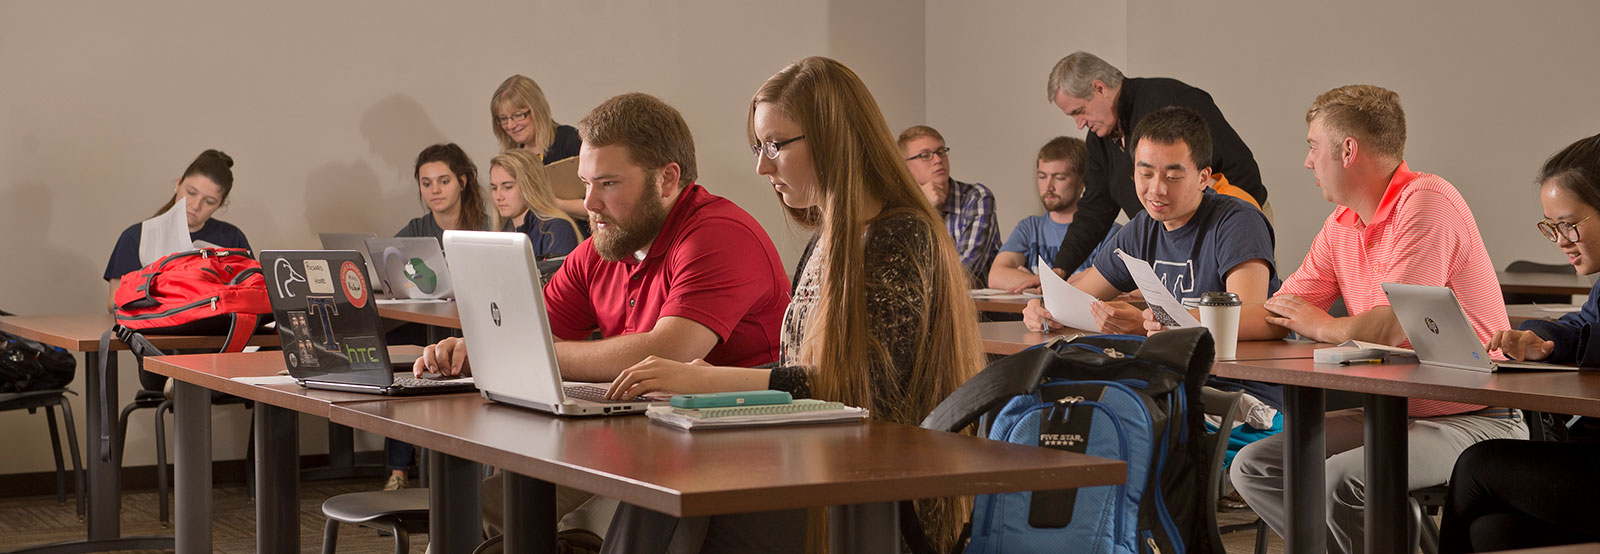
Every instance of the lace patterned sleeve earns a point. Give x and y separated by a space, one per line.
899 263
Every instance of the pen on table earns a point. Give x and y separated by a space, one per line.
1373 361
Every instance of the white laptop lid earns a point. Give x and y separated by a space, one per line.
503 318
358 243
411 267
1440 332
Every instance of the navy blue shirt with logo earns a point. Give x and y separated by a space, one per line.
1195 259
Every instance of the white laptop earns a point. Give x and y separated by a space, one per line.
508 331
358 243
411 267
1441 335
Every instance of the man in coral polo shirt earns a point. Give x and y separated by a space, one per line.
1391 225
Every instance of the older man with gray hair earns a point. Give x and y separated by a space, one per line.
1096 95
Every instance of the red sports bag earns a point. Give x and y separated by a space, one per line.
199 292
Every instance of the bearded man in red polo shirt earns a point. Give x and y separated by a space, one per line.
671 271
1391 225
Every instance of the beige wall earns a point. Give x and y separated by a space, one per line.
987 67
325 105
1490 90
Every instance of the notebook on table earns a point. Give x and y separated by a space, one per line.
509 342
1441 334
329 327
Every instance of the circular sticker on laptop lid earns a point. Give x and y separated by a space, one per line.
355 289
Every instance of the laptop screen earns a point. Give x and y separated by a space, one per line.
327 318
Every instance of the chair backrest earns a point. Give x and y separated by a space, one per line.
1224 405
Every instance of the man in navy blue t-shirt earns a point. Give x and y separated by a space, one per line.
1197 240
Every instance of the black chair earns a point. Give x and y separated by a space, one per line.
399 513
147 398
1524 266
1224 405
32 401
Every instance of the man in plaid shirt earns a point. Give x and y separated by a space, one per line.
967 208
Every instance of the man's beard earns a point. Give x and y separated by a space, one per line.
619 239
1061 203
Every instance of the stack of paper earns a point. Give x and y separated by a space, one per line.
1358 350
799 411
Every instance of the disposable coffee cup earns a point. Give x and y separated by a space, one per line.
1219 312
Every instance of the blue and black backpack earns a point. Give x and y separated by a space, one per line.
1112 396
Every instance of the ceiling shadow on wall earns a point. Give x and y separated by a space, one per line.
37 263
346 197
397 128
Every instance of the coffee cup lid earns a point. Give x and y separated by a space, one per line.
1220 298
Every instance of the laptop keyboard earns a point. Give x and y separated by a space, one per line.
597 394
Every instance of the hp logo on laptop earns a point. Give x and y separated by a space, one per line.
1433 327
494 313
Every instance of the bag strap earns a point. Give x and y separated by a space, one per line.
140 347
240 327
1013 375
1190 348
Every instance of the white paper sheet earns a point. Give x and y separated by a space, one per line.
1168 310
267 380
1068 305
165 234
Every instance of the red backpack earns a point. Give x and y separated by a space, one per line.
210 291
199 292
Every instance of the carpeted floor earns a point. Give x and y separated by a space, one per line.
36 520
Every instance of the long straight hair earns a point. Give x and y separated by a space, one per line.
213 165
533 185
856 161
472 217
519 93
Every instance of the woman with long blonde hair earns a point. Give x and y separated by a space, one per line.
523 203
880 317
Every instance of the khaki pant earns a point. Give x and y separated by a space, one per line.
576 509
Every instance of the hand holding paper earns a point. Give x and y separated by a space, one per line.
165 233
1167 309
1067 305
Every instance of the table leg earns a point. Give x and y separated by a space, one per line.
1387 508
530 513
342 459
191 411
860 528
105 477
277 479
1305 456
455 521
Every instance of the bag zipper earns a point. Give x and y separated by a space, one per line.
192 305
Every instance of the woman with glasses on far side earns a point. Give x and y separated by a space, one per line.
1512 494
522 119
880 317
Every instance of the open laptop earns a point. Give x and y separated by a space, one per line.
329 327
358 243
411 267
508 332
1441 335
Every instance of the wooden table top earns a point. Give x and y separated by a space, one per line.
1544 283
219 371
1566 392
437 314
81 333
1003 305
711 472
1011 337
